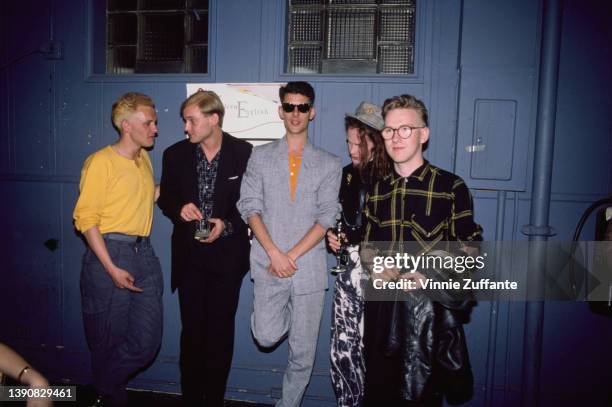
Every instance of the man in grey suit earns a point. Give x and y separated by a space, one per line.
289 198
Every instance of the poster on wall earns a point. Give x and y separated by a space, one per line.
251 109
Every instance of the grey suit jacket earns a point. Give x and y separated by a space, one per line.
265 191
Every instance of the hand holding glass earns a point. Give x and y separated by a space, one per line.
340 266
202 230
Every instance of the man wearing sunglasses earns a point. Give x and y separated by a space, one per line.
412 363
289 198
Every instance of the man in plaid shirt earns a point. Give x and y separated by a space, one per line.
416 202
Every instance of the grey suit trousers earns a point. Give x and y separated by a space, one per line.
279 312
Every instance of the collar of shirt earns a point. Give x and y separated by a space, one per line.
200 156
419 174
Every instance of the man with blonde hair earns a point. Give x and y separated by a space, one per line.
121 280
415 348
200 185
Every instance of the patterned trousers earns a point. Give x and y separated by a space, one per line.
347 363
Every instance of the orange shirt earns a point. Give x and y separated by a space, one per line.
294 168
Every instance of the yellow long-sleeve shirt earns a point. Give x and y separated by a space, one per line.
116 194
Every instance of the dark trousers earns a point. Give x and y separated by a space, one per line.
208 298
383 379
123 328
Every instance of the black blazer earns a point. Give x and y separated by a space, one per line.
179 186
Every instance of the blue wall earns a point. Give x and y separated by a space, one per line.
477 70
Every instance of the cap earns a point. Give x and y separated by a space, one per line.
370 114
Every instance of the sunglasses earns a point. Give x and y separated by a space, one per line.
290 107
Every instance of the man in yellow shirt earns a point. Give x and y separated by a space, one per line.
121 280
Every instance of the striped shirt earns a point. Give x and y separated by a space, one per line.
429 206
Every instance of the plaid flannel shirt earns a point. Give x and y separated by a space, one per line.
429 206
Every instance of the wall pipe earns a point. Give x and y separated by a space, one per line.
538 230
494 310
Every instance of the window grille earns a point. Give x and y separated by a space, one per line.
351 36
156 36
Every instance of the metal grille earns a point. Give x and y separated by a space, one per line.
122 29
121 60
306 25
411 3
302 2
352 1
397 24
121 5
162 4
162 37
197 59
395 59
197 28
157 36
351 36
305 59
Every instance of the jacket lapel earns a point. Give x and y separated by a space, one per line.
191 176
224 171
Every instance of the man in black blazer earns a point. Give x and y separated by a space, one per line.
201 182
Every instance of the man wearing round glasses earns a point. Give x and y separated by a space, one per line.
415 348
405 134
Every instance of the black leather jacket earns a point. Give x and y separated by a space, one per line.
428 336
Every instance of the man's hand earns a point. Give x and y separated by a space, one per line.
472 251
190 212
333 241
388 274
123 279
217 227
281 264
120 277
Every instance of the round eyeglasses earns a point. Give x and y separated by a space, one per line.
403 131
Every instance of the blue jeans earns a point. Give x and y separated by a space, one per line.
123 328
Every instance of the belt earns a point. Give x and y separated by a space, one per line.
125 238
